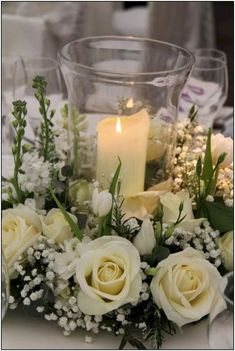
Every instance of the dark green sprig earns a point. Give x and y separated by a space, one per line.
105 222
46 133
192 113
19 149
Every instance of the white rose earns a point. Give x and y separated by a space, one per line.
141 205
108 273
219 145
55 226
101 202
225 243
20 228
185 286
145 240
171 203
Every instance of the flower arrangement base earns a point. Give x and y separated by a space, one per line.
137 269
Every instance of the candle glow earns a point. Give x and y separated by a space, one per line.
123 138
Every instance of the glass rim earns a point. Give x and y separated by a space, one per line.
208 50
64 58
206 58
30 59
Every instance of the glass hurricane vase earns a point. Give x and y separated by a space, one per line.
123 97
221 328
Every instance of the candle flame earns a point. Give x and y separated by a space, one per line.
118 126
130 103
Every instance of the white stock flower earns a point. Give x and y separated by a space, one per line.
101 202
171 203
21 227
185 286
219 145
145 240
65 262
225 243
36 177
56 227
108 273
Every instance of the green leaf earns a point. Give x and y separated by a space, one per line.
106 221
74 227
219 215
199 167
115 178
136 343
123 342
192 113
169 231
162 253
207 171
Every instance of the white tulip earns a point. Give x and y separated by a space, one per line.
21 227
145 240
56 227
171 203
108 273
186 286
101 202
225 243
219 145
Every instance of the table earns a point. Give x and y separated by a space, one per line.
27 332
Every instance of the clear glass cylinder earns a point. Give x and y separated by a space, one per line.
5 286
123 97
221 328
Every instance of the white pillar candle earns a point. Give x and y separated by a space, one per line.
124 137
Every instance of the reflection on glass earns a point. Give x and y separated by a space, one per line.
5 288
220 330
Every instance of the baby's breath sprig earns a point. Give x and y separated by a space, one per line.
46 134
19 149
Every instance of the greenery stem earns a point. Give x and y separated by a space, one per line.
15 182
44 113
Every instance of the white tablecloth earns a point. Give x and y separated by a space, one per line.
26 332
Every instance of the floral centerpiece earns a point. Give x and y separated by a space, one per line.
88 258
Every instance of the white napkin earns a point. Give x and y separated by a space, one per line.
201 93
26 36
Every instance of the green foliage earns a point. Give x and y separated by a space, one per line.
220 216
46 135
73 225
19 149
192 113
207 170
105 222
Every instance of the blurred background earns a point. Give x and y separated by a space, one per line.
41 28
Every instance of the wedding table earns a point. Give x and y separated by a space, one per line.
21 331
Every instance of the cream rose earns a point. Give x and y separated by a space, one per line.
171 203
145 240
108 273
219 145
185 286
55 226
225 243
20 228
